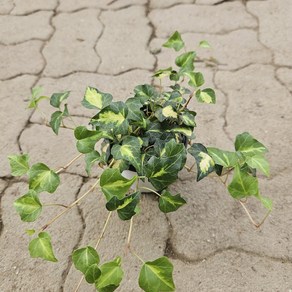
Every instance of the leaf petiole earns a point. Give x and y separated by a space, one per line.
145 188
69 163
69 207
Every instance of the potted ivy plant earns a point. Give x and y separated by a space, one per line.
144 145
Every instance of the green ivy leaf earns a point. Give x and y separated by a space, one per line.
204 44
19 164
145 92
87 139
174 76
260 163
163 73
28 206
224 158
196 78
129 151
35 98
205 163
156 276
41 247
175 41
90 159
242 184
95 99
56 119
84 257
248 145
125 207
134 104
92 274
55 122
169 203
57 98
114 184
111 276
206 95
186 61
42 178
30 232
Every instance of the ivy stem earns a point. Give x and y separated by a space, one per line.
188 101
97 243
103 229
257 225
145 188
130 233
69 163
137 256
54 204
61 126
189 169
69 207
42 114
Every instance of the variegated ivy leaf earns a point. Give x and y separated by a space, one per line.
223 158
166 113
57 98
126 207
205 163
41 247
113 118
163 73
42 178
196 79
28 206
186 62
95 99
248 145
206 95
170 203
259 162
243 184
188 118
129 151
113 184
87 139
163 170
175 41
145 91
186 131
19 164
156 276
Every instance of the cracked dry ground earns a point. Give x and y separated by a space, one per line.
114 45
